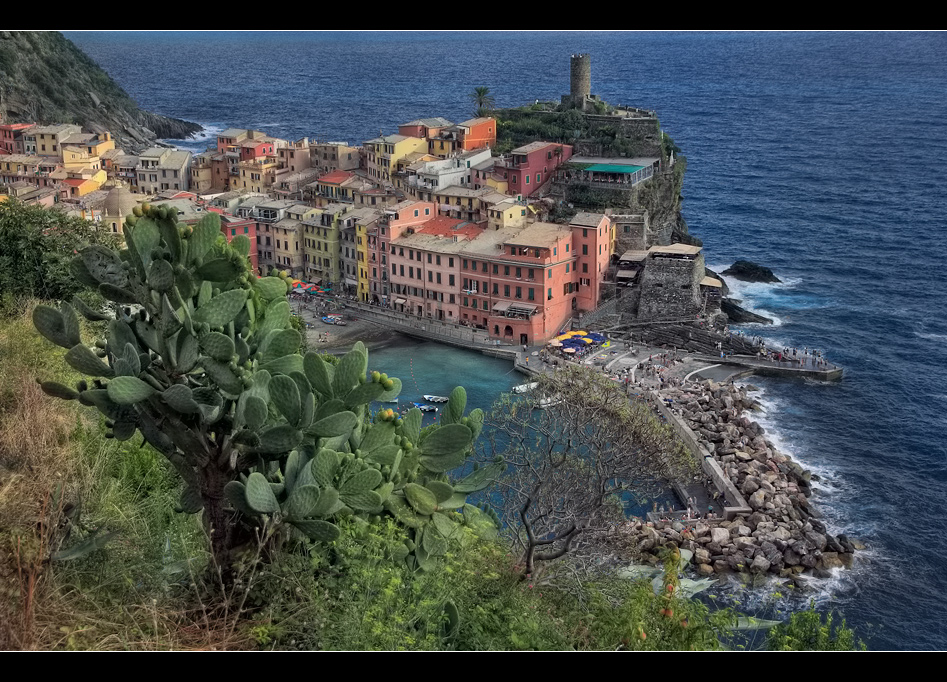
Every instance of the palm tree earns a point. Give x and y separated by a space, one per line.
482 99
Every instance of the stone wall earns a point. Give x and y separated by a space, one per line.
631 232
670 288
603 312
735 504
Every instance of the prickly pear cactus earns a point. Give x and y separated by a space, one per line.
200 358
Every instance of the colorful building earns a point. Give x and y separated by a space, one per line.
530 167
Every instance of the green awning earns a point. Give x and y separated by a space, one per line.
612 168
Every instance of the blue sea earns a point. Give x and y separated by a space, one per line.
818 155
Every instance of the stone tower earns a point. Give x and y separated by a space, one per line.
580 78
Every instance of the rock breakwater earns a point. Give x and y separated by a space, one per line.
765 522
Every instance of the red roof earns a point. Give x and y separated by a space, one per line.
75 182
336 177
443 226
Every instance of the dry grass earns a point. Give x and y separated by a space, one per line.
36 458
51 451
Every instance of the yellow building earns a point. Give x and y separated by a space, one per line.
383 154
257 175
365 220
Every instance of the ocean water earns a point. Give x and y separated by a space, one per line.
819 155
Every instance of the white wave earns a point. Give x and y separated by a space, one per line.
931 337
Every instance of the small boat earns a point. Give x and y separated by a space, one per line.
525 388
435 398
549 401
425 408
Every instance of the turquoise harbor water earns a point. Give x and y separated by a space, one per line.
427 368
819 155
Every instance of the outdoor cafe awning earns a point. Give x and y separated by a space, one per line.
501 306
522 308
400 301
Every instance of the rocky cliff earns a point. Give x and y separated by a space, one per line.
45 78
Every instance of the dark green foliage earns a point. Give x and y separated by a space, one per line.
806 631
36 247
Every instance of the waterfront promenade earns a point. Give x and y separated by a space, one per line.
374 324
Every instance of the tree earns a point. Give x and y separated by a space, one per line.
482 99
202 360
36 247
572 464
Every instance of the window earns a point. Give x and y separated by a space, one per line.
519 292
531 295
450 262
567 248
506 290
585 249
427 211
585 233
538 178
506 270
585 267
438 278
450 280
430 276
484 267
549 294
567 268
438 260
527 178
465 263
496 289
429 258
555 250
519 273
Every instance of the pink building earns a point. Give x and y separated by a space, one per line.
591 245
396 220
254 149
425 267
530 167
520 287
11 137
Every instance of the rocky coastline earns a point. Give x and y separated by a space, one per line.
768 524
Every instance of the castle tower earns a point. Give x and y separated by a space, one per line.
580 78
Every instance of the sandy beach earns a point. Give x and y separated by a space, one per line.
342 338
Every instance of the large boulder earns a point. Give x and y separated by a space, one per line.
749 271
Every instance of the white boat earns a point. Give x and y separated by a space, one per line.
436 398
549 401
425 408
525 388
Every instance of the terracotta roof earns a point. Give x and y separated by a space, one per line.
336 177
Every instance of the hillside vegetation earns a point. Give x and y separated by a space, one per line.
45 78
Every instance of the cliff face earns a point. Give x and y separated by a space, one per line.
45 78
